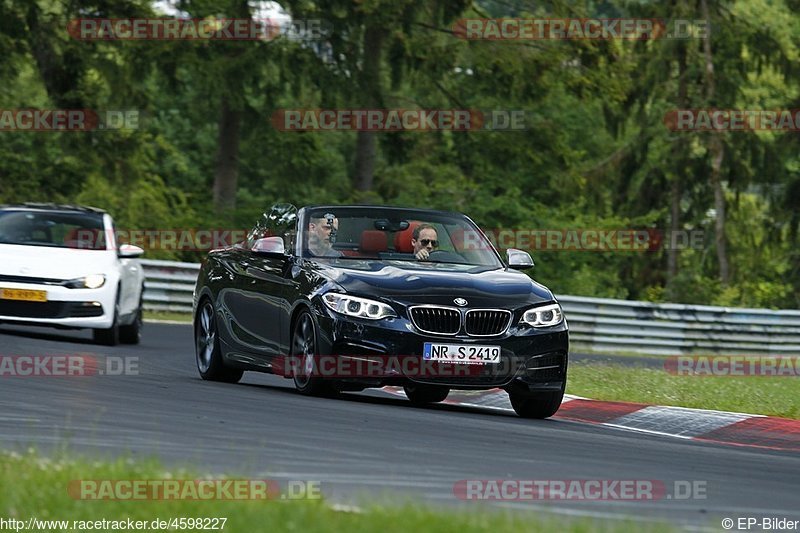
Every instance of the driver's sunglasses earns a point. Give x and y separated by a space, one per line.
432 242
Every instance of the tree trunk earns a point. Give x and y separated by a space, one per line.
716 150
366 149
226 173
674 226
60 70
679 152
366 141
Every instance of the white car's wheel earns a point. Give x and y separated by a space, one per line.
132 333
109 336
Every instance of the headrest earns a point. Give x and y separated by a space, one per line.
402 239
373 241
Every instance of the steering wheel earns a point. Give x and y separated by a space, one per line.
445 256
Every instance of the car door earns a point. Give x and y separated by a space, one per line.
130 274
257 300
130 283
261 292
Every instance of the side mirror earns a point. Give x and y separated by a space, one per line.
269 246
129 251
518 259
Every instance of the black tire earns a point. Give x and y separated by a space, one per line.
304 347
536 405
207 351
132 333
425 394
109 336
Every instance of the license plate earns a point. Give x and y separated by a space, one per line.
24 295
471 354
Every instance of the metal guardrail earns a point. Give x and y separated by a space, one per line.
596 324
168 285
642 327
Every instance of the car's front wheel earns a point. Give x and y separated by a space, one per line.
208 353
109 336
305 371
132 333
425 394
536 405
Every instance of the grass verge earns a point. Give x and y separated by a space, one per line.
38 489
767 395
171 316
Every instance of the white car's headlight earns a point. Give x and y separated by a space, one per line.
544 316
358 307
92 281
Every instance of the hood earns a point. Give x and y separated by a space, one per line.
53 263
436 283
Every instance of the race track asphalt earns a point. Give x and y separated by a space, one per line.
363 447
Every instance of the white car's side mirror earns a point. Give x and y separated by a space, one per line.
129 251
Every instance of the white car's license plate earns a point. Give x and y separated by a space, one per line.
471 354
24 295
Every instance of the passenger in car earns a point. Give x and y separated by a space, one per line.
322 235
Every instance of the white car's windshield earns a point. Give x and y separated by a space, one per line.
54 229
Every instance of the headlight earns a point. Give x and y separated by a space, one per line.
544 316
93 281
358 307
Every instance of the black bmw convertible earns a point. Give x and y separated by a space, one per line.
342 298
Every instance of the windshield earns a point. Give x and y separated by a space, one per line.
391 235
53 229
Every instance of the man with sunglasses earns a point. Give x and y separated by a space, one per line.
424 240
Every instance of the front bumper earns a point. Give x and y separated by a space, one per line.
65 307
532 360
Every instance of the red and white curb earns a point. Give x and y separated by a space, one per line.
722 427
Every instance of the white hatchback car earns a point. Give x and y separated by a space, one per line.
61 266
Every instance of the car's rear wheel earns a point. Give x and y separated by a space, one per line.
425 394
109 336
132 333
537 405
304 348
208 353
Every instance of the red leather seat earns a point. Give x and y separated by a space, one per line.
373 242
402 239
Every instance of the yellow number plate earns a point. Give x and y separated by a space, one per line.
24 295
